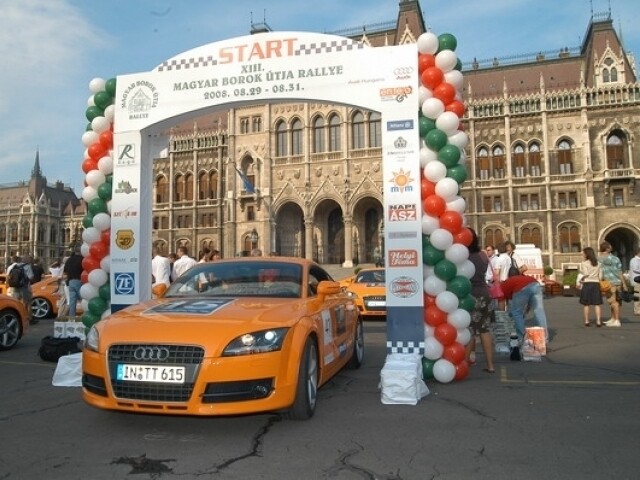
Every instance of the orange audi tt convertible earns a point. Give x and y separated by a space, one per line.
237 336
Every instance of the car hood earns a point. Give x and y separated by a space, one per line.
192 320
371 288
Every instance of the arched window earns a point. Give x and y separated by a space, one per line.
375 130
318 135
615 150
498 162
535 169
296 137
483 163
565 157
203 186
493 236
334 134
519 164
605 75
357 131
569 238
282 149
162 190
213 185
531 235
178 188
188 187
614 74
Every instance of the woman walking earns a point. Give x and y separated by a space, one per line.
590 286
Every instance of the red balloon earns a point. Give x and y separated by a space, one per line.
429 300
434 205
451 221
105 237
445 333
89 164
427 187
84 276
463 236
445 92
89 263
425 60
432 77
455 353
98 251
456 106
434 316
106 139
96 151
462 370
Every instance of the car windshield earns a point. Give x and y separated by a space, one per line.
239 279
370 276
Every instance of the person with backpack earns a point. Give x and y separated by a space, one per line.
19 276
73 275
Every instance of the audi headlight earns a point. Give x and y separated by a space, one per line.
352 295
256 342
92 340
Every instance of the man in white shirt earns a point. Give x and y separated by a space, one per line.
183 263
161 271
634 272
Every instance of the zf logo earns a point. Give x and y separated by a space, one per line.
125 284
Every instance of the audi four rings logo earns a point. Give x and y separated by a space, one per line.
403 71
151 353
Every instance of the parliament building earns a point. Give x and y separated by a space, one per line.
553 158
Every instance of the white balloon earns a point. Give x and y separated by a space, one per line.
458 204
459 139
441 239
90 235
98 277
84 304
89 193
84 249
423 94
89 138
429 224
107 312
427 270
459 318
447 301
448 122
91 101
447 188
109 113
88 291
105 263
455 78
432 108
456 253
105 165
464 336
434 286
97 85
433 348
428 331
428 43
427 155
109 207
466 269
446 60
95 178
434 171
444 371
102 221
100 124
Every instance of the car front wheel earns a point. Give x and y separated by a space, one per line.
358 347
40 308
304 405
10 329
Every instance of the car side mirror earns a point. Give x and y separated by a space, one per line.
328 287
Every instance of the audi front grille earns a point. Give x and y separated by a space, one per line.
188 356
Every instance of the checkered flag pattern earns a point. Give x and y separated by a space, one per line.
345 44
405 347
186 63
502 330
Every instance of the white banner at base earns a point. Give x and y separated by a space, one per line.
401 379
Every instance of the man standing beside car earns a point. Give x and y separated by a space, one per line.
22 293
72 275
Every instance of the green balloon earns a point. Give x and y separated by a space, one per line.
449 155
97 306
446 41
445 270
94 111
467 303
431 255
109 178
426 125
97 205
427 368
425 241
105 291
89 127
458 173
460 286
105 191
110 86
102 100
87 221
89 319
458 65
436 139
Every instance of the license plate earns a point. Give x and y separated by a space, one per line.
375 303
150 373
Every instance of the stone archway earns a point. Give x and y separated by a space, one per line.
290 240
625 243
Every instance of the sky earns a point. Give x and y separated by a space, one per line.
50 50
